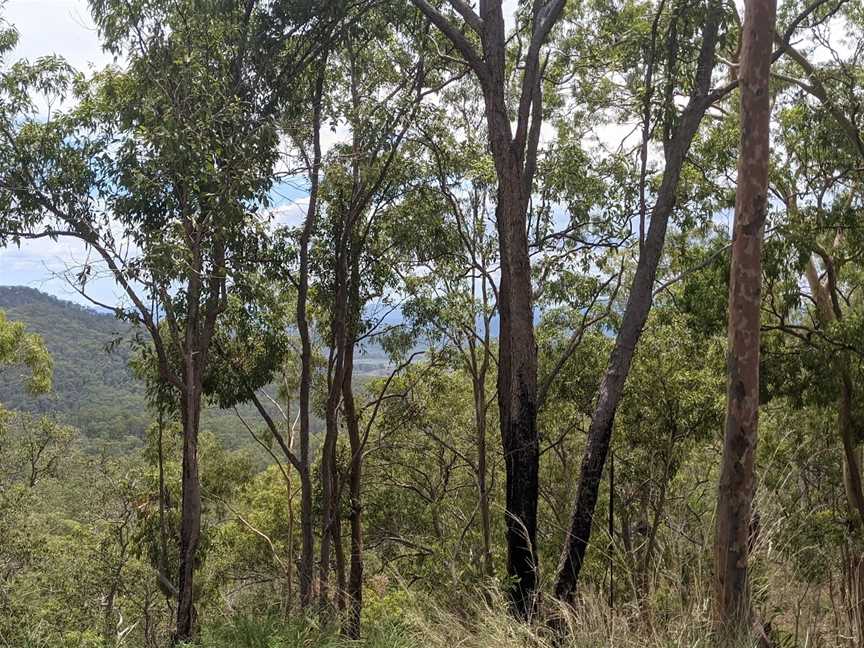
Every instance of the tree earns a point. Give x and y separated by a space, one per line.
313 169
19 348
678 133
515 158
737 479
363 180
160 170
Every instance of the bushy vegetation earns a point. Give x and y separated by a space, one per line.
561 348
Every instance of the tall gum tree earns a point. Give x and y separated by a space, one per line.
677 136
735 490
161 170
381 91
515 158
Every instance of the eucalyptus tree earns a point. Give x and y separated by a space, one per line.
383 81
737 478
308 142
812 275
161 170
483 48
675 129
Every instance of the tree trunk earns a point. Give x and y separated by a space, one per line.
308 541
517 391
165 584
355 578
482 487
190 524
329 480
339 550
346 352
736 487
306 523
635 315
515 158
328 491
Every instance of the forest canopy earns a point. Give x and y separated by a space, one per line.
557 341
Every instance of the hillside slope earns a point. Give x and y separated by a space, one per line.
94 388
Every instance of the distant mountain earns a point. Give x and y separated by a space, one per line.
94 388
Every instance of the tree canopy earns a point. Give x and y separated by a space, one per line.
439 323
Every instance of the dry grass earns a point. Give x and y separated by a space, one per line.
591 625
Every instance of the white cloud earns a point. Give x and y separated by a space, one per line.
44 264
61 27
290 214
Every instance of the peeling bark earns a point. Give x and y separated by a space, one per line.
737 480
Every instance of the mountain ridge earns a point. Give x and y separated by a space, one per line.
94 388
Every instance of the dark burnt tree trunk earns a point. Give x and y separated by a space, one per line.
515 157
735 491
676 146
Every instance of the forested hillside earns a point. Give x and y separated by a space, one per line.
559 342
94 389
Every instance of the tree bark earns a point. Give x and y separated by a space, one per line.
328 492
308 541
165 584
329 480
190 524
517 396
735 492
517 350
355 578
633 321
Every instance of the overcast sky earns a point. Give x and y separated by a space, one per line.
65 28
62 27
